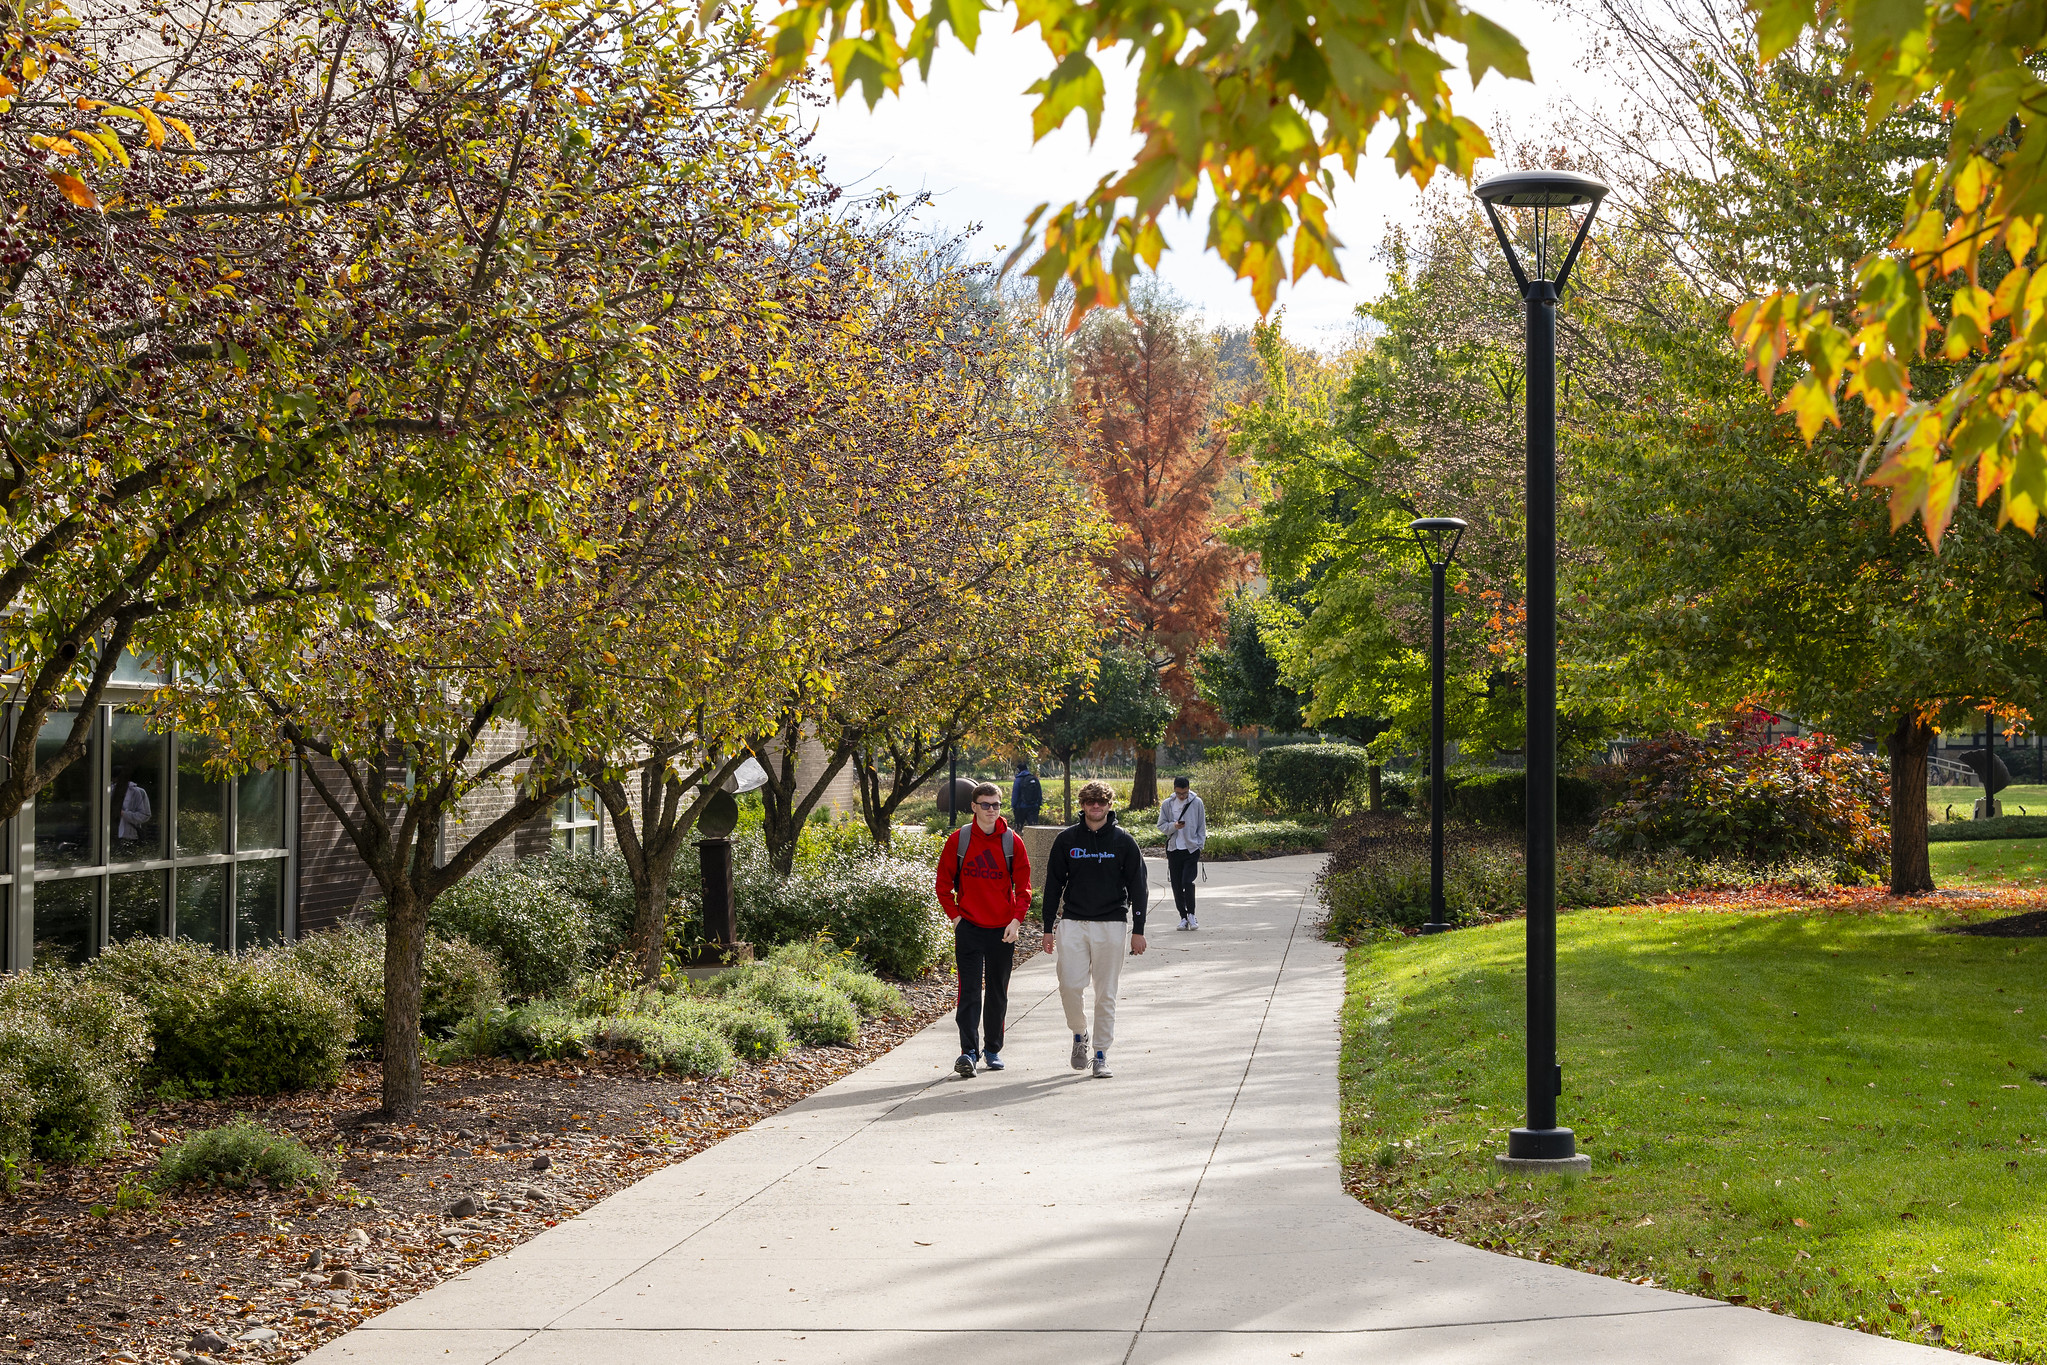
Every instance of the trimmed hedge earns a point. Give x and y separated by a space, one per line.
71 1052
2002 827
1313 777
254 1025
1499 797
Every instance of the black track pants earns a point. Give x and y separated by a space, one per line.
985 962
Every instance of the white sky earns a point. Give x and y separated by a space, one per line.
966 138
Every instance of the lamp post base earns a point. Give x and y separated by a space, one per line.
1516 1165
1541 1144
1435 928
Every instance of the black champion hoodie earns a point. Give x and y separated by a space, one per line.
1097 873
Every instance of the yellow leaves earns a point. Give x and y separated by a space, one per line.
76 190
582 96
2020 235
58 145
1969 322
7 88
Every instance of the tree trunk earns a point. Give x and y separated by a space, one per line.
1911 867
1066 806
1372 789
1144 788
667 815
874 807
404 966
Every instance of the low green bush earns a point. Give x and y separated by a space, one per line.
1999 827
1265 838
460 979
542 936
601 883
1323 778
540 1030
669 1042
72 1050
238 1155
815 1013
1386 891
252 1025
822 960
879 905
1498 797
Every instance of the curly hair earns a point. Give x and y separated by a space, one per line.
1097 791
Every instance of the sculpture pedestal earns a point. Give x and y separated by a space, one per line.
1989 808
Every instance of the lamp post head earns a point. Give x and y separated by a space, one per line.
1431 532
1543 192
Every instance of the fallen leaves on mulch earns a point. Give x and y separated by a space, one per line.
248 1275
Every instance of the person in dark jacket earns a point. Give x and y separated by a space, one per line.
1026 795
1094 882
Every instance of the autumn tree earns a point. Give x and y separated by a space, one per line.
1117 699
581 260
1157 462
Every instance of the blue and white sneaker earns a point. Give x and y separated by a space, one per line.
1102 1066
1079 1058
993 1061
965 1065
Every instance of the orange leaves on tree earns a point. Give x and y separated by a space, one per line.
76 190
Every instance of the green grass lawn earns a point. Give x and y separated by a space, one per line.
1836 1114
1963 799
1991 862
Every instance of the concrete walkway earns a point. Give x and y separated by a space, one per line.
1187 1210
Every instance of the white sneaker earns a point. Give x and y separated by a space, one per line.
1193 923
1184 922
1102 1066
1079 1058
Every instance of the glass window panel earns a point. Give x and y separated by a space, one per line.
202 800
67 921
64 808
135 798
259 903
135 905
139 666
259 811
202 898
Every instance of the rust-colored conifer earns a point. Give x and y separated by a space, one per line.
1159 461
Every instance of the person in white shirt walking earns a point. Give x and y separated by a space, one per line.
1185 821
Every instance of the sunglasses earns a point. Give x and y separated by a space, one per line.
987 805
1094 801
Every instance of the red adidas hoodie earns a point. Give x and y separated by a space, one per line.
984 891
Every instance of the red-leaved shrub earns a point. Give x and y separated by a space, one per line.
1732 797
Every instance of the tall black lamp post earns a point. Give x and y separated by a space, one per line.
1438 537
1549 197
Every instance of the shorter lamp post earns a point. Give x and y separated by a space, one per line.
1438 538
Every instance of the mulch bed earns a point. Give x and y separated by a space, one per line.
248 1275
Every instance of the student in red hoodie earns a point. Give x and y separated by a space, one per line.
984 884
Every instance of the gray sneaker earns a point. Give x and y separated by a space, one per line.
1079 1058
1102 1066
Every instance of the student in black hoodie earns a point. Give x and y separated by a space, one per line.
1097 875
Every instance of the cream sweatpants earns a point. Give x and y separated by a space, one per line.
1091 949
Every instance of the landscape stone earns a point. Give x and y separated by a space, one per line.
465 1207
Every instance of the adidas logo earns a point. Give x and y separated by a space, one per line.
985 864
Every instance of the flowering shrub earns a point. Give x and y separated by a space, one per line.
1727 797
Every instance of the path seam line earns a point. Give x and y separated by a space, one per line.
1278 975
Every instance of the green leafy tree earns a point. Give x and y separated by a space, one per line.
1726 560
1119 700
